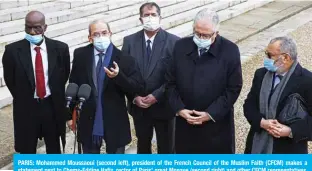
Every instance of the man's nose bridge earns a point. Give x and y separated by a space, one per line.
32 31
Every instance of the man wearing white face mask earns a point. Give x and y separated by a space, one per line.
36 70
151 47
204 81
111 75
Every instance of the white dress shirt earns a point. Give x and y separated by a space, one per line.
151 39
44 55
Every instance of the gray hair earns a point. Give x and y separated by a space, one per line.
287 45
209 16
99 21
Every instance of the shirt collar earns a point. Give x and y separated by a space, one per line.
96 52
43 45
151 39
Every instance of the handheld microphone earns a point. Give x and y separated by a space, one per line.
71 93
83 94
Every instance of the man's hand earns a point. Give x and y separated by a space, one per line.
139 102
150 100
279 130
200 118
70 125
266 123
187 115
113 72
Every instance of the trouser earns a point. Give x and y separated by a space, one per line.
144 126
46 127
96 149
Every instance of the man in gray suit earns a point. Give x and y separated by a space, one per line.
151 47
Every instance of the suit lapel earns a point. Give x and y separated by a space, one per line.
52 55
139 50
25 58
192 51
90 68
157 49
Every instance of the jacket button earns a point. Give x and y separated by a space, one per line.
90 117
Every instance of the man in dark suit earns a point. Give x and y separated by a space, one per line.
36 70
111 75
205 80
285 77
151 47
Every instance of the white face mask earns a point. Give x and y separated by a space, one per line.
151 23
101 43
202 43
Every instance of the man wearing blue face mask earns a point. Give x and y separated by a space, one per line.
111 75
280 77
36 70
204 81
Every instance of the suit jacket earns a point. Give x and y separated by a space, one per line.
20 80
154 76
300 82
211 83
115 116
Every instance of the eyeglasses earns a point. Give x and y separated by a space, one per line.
204 36
100 34
268 55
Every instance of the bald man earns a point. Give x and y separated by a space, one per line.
35 70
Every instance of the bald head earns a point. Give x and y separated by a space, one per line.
35 23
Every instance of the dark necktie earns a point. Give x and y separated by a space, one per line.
99 64
280 78
40 82
201 51
148 49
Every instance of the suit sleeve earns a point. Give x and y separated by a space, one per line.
8 70
222 105
125 46
251 105
302 129
129 77
174 98
159 93
66 62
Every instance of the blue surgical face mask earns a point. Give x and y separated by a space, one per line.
34 39
101 43
269 64
202 43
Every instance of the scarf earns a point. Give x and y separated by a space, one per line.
98 125
263 141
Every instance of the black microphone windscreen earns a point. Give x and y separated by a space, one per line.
84 91
71 90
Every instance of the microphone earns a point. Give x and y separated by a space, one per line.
70 93
83 94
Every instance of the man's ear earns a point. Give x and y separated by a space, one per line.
90 39
45 28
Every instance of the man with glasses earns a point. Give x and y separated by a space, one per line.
280 77
151 47
36 70
204 81
111 75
